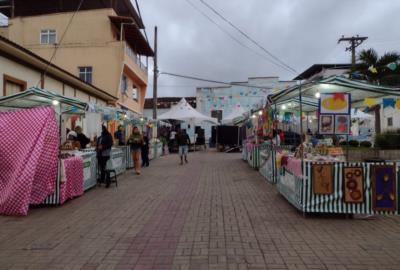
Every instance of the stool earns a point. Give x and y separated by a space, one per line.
113 178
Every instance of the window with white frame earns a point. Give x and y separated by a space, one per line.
48 36
135 93
86 74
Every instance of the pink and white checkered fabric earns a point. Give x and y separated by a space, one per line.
28 158
73 186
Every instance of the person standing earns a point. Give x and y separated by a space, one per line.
104 145
136 142
81 138
145 152
183 143
120 135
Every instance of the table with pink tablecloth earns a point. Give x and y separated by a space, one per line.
71 178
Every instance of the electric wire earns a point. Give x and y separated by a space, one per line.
248 37
232 36
212 81
57 46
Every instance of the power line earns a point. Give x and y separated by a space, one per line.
57 46
247 36
231 36
212 81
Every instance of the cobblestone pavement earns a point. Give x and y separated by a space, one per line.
214 213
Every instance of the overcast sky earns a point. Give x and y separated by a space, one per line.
299 32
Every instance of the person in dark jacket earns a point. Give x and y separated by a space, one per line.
120 135
104 145
145 152
183 143
81 138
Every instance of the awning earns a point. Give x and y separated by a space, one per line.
132 35
35 97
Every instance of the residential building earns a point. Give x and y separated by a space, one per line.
20 69
220 101
102 43
320 71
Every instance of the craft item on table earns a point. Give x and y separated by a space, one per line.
353 184
322 179
335 151
342 124
294 166
284 160
279 160
383 188
326 124
334 103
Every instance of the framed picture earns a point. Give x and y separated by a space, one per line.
353 185
384 192
342 124
326 124
335 103
322 179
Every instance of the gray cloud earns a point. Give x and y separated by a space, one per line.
299 32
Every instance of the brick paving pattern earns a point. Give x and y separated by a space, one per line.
214 213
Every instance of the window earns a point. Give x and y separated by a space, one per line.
86 74
390 122
124 84
48 36
13 85
135 93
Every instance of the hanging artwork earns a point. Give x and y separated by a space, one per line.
335 103
326 124
383 188
342 124
353 185
322 179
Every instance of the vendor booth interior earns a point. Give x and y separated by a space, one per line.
324 167
40 163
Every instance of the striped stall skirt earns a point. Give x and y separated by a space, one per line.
299 192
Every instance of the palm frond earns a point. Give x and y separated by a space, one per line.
368 57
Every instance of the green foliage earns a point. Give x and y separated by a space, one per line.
343 143
389 140
384 76
354 143
366 144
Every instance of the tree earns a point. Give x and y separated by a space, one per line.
375 69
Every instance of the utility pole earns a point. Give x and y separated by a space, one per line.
354 43
155 75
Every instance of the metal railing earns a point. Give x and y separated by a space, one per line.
131 54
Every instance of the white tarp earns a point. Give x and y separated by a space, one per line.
184 112
237 112
360 115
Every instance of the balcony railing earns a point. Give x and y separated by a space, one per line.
135 58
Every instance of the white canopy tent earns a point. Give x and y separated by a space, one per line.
184 112
236 113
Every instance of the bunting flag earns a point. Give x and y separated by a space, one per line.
389 102
369 102
392 66
373 69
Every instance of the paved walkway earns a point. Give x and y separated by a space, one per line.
214 213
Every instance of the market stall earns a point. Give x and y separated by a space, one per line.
318 177
36 165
